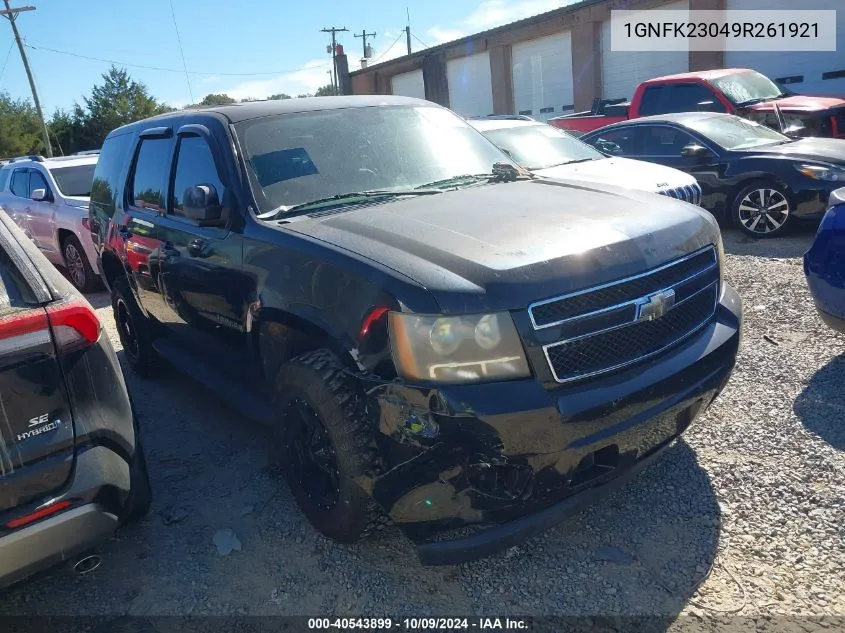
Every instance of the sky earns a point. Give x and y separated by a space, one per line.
251 48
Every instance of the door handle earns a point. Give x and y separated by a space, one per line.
124 232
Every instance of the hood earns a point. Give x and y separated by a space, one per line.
799 103
502 246
622 172
827 150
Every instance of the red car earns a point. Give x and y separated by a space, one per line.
737 91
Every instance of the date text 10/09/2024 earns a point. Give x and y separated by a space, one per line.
418 624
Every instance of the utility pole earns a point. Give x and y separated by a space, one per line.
408 30
11 15
333 31
365 35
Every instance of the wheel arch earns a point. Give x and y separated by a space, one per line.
278 335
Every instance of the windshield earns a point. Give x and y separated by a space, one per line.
300 157
748 87
735 133
541 146
74 181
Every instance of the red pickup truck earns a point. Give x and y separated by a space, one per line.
738 91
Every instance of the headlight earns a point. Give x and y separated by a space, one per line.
817 172
456 349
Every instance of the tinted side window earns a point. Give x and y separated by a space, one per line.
149 178
679 98
106 185
650 102
20 183
619 142
4 176
194 166
659 140
36 181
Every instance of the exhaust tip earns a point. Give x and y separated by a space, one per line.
87 564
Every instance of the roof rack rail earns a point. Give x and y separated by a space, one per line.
86 152
36 157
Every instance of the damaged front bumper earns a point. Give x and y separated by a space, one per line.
520 456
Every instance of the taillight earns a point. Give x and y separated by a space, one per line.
75 325
23 330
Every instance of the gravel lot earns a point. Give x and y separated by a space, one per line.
745 515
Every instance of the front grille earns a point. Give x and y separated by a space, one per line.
554 311
623 346
689 193
607 327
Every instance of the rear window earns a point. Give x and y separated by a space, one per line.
75 180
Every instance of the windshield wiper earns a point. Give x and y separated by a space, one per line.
344 198
572 162
749 102
502 172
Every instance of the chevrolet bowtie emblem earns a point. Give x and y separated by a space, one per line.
656 305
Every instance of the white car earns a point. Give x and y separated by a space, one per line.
552 153
48 199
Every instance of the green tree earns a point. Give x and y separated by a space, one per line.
326 91
20 130
64 132
117 101
277 96
216 99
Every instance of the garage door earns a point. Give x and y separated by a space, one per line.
623 71
408 84
542 76
470 86
821 73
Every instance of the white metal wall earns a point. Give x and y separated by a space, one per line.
623 71
542 76
470 85
408 84
805 68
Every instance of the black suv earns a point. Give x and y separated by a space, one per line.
71 466
437 337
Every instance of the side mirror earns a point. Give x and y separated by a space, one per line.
40 195
697 152
201 203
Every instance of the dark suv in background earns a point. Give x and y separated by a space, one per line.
437 337
71 466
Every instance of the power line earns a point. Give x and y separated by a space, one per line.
38 47
375 61
11 46
181 52
419 40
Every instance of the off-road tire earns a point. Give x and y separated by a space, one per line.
320 379
141 356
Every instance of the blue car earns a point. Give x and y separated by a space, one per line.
824 264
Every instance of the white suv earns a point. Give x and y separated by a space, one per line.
48 199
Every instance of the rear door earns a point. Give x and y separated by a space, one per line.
36 428
17 201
